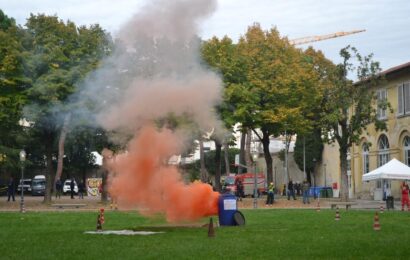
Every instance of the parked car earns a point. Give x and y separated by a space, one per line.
26 185
67 188
38 185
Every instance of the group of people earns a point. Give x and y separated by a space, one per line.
59 189
299 189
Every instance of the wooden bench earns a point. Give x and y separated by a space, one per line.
346 204
72 205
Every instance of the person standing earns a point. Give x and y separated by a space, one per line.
291 190
81 190
11 189
305 191
405 196
72 188
271 196
59 187
239 190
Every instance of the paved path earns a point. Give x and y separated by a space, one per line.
94 203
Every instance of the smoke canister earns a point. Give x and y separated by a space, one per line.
227 206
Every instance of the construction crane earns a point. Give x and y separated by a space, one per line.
317 38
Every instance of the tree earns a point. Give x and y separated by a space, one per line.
310 138
349 108
313 145
277 89
59 56
193 168
221 56
12 96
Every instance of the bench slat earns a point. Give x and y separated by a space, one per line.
68 205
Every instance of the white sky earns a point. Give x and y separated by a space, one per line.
386 21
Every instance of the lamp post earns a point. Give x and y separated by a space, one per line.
22 160
324 173
255 191
314 177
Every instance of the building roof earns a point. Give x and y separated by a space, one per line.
397 69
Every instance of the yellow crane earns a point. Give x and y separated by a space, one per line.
317 38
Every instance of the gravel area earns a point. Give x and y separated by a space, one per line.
35 203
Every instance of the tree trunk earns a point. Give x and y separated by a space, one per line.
248 158
226 157
344 187
242 151
48 142
218 147
268 157
107 155
204 172
61 142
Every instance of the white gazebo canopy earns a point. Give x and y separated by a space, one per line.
393 170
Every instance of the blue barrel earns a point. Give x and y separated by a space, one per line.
227 206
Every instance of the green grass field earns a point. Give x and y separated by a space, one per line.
268 234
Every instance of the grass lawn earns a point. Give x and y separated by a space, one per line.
268 234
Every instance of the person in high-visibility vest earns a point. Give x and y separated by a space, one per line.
271 196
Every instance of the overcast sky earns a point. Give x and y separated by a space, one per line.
386 22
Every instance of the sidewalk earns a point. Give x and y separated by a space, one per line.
35 203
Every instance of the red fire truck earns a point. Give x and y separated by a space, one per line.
248 181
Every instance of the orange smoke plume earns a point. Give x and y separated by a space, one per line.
142 177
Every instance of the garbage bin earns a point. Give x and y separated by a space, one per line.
329 192
227 206
323 193
390 202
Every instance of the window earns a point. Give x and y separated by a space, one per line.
365 156
383 156
403 95
383 146
381 101
406 145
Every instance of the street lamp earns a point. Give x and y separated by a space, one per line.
255 191
22 160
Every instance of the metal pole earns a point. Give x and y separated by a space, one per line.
255 200
275 178
22 210
304 159
286 162
324 165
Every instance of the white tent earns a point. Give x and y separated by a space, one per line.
393 170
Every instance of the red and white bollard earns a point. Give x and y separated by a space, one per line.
100 220
337 217
318 206
381 208
376 225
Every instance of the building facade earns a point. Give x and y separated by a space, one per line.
378 147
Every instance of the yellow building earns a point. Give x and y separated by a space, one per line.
384 145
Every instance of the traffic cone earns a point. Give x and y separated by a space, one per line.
211 230
318 206
381 208
337 217
376 225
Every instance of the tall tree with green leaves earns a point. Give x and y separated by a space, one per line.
59 56
310 139
308 150
350 107
12 87
277 90
221 56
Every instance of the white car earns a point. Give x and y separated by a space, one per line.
67 188
26 185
